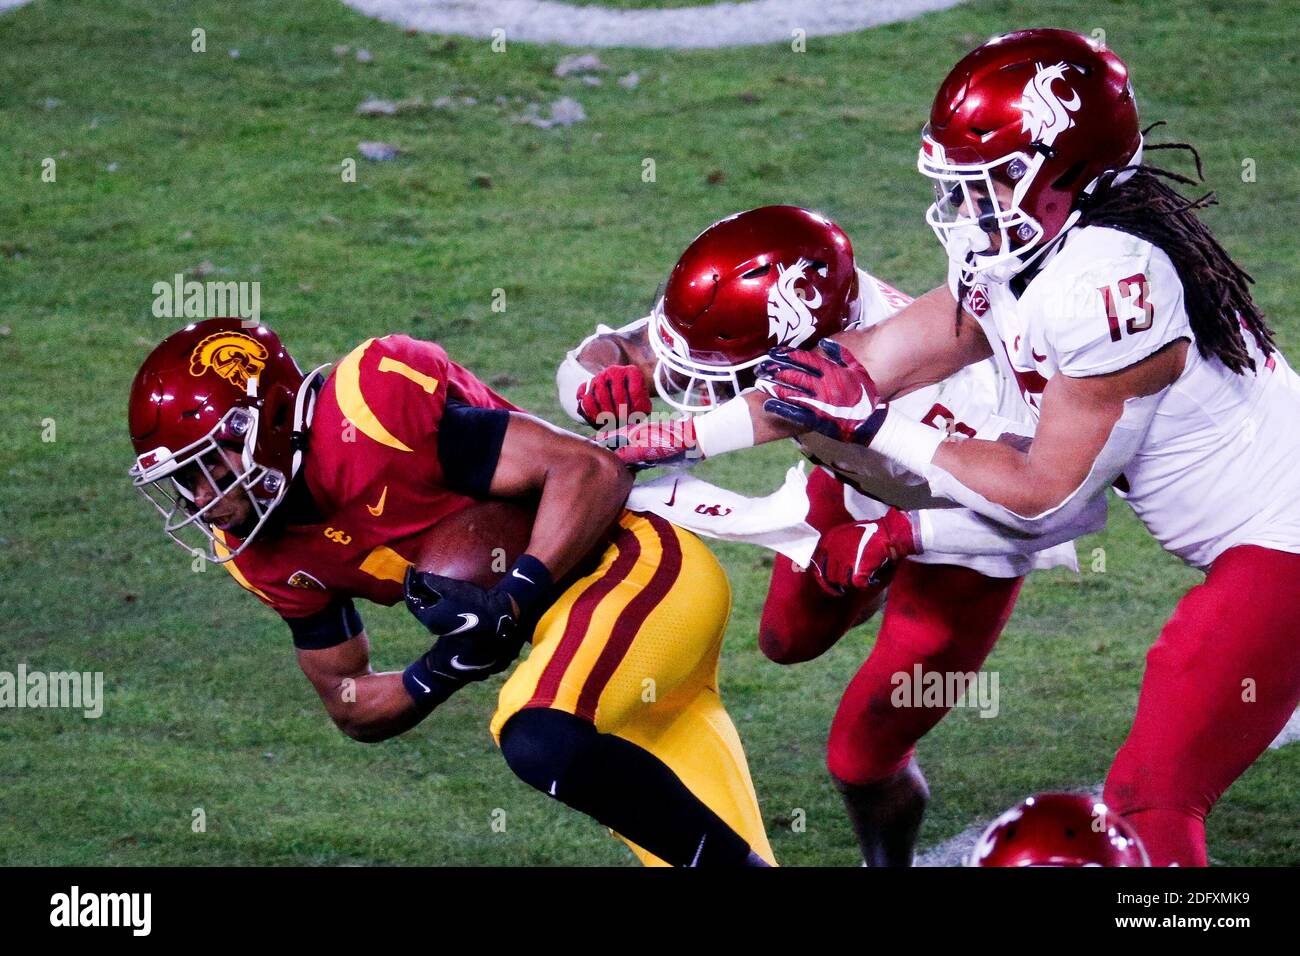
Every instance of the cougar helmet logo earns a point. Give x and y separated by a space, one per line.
789 312
232 355
1045 114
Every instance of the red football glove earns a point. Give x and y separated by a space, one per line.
613 395
864 554
654 443
823 390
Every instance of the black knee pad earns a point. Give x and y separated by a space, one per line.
541 745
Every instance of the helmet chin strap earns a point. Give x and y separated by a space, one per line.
304 410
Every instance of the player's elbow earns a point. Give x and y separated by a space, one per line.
599 469
1032 505
1042 512
359 730
1037 499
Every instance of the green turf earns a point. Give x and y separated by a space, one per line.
235 162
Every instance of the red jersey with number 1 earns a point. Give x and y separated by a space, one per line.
375 479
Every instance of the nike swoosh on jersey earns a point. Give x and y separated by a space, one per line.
860 410
455 663
673 496
426 687
378 509
515 572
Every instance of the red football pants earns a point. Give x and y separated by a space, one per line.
801 621
943 617
1221 681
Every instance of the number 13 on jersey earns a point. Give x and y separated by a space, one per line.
1127 300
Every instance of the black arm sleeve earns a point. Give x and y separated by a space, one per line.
326 628
469 446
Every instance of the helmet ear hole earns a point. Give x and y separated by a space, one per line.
1069 176
275 429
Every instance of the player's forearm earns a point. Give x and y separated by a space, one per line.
921 344
999 473
580 498
604 348
767 428
372 707
601 351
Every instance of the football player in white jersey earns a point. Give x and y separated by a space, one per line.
785 276
1134 340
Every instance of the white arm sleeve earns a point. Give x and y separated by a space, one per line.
1123 443
571 374
963 531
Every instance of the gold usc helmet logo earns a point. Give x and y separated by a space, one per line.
232 355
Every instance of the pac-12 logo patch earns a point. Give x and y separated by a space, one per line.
232 355
304 581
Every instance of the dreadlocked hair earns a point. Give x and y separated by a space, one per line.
1216 291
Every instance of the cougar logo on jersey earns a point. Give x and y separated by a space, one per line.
1045 115
789 311
233 356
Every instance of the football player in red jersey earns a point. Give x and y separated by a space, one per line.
315 490
1146 365
786 276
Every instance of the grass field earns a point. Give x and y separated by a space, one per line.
169 159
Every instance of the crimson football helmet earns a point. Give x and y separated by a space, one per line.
776 275
219 384
1059 829
1046 113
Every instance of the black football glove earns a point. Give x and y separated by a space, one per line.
478 629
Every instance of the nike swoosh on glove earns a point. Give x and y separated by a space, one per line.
824 390
477 629
612 396
652 444
864 555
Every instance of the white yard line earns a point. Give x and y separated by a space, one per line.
10 4
715 25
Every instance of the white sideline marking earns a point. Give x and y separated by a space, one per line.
952 852
715 25
11 4
1290 733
